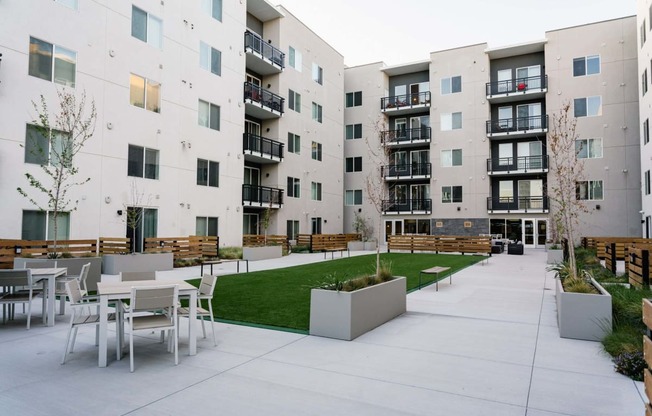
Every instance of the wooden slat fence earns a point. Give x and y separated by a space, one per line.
255 240
600 243
639 267
184 247
647 354
321 242
440 243
114 245
41 248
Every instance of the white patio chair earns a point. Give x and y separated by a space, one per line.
206 290
13 279
162 302
132 276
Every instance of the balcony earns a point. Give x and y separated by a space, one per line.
521 165
262 57
404 138
517 89
523 204
261 149
406 103
407 206
407 171
261 196
520 126
261 103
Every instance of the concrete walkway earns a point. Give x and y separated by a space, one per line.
486 345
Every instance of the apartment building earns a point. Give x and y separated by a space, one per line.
196 130
644 26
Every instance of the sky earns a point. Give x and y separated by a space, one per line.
402 31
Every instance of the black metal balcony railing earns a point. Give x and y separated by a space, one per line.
405 100
523 203
263 97
262 145
520 164
254 43
390 137
406 170
509 86
263 196
407 206
518 124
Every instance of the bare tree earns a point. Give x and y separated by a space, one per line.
57 140
134 211
568 172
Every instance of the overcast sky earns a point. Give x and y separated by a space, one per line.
398 32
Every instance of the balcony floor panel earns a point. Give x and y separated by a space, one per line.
516 134
261 111
261 205
414 109
262 158
517 96
260 65
517 172
519 211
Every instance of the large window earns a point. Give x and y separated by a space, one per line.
451 194
146 27
451 85
589 190
209 115
294 101
208 173
317 74
354 99
451 121
586 65
43 150
39 225
292 229
145 93
294 143
294 58
206 226
353 197
353 131
588 107
316 151
354 164
315 191
644 82
210 58
646 131
212 8
643 33
143 162
451 158
647 182
316 112
52 62
588 148
294 187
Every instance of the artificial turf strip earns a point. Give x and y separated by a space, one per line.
281 297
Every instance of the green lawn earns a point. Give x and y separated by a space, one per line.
281 297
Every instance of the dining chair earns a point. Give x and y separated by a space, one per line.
206 290
12 279
81 315
161 301
132 276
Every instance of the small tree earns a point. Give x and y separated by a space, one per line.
266 220
362 227
568 171
63 134
134 212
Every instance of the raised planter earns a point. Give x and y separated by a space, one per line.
583 315
138 262
361 245
347 315
74 266
555 256
262 253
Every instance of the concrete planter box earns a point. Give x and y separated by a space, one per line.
582 315
262 253
555 256
74 266
347 315
360 245
138 262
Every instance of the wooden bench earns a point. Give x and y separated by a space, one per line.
437 270
332 250
212 262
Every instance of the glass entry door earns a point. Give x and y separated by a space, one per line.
528 233
535 232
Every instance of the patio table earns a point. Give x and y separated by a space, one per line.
48 277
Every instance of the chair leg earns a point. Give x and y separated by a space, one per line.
29 313
74 338
131 349
65 351
175 333
210 309
62 305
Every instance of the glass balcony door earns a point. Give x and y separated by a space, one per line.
529 116
529 76
529 155
504 80
530 194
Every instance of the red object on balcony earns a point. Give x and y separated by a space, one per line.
521 86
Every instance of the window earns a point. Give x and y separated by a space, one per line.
644 82
316 112
294 100
647 182
294 187
588 107
317 74
451 158
354 164
292 229
142 162
353 131
41 149
589 190
39 225
146 27
210 58
588 148
52 62
316 151
212 8
643 33
294 59
451 85
450 194
586 65
209 115
315 193
646 131
69 3
208 173
294 143
145 93
206 226
353 99
353 197
451 121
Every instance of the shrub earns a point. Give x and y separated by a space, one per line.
230 253
66 255
300 249
631 364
